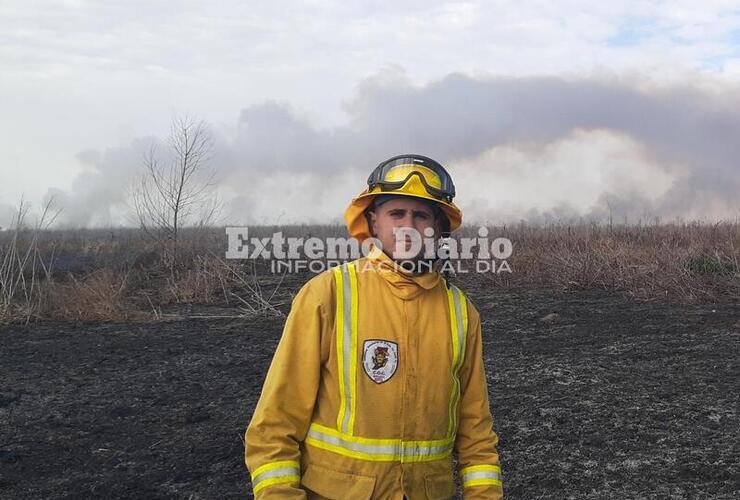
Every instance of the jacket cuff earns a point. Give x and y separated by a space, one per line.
275 473
482 481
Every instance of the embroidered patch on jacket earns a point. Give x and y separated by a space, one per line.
380 359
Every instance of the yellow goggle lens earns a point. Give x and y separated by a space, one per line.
401 172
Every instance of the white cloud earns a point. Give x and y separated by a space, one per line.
80 75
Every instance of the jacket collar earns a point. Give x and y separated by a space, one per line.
403 283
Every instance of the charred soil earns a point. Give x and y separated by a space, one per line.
594 396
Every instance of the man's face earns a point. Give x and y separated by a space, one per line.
402 212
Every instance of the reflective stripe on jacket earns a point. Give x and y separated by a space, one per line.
377 379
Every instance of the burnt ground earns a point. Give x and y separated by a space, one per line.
612 399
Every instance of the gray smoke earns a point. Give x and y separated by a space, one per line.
100 193
275 164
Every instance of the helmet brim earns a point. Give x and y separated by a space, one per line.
357 224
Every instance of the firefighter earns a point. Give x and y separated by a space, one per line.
378 378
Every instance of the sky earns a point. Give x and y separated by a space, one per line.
541 111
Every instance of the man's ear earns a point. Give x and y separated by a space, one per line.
438 224
372 218
443 225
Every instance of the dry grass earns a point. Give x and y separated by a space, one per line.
24 269
116 275
99 296
203 283
687 263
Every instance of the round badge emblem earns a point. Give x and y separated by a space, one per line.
380 359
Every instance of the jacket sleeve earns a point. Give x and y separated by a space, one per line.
480 470
283 413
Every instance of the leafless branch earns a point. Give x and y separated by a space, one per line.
176 190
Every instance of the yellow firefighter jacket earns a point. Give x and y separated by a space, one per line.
377 379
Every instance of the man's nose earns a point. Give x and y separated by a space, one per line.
406 222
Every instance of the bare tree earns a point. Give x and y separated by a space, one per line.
175 189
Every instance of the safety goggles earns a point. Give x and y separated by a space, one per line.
393 174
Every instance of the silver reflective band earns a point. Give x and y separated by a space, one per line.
347 348
379 450
472 476
460 328
481 475
285 471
